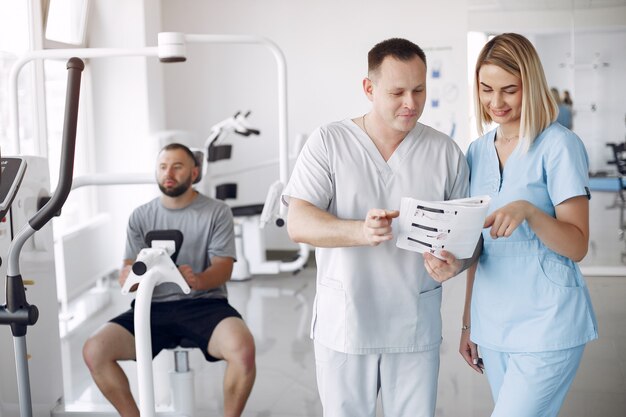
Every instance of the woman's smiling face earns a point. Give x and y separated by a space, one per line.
500 94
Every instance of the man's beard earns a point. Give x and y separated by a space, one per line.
178 190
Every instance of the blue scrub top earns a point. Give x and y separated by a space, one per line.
526 297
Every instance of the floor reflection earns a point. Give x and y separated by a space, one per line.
278 310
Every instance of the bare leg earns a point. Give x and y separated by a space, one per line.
233 342
101 352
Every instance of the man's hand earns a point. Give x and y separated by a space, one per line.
192 279
442 270
124 272
377 226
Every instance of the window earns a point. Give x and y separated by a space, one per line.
65 27
14 41
66 21
41 90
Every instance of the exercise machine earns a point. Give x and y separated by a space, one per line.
250 220
171 48
236 124
153 266
17 312
156 265
11 174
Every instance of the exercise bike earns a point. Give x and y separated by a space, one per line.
154 266
156 262
17 312
250 220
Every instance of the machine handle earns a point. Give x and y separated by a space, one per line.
75 67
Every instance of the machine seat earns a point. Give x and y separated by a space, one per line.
249 210
187 344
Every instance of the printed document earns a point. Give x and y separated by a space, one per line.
433 226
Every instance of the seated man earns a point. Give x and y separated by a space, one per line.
204 316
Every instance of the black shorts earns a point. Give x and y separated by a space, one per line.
171 322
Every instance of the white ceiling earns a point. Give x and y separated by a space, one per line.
507 5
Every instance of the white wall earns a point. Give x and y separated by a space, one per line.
127 104
325 44
546 20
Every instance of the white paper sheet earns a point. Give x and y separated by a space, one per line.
433 226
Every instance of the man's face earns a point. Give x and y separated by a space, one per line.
175 172
398 92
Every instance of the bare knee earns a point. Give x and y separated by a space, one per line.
246 353
93 353
109 344
241 352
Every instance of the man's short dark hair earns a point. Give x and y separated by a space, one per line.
180 146
397 48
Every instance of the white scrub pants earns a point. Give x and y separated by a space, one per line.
349 384
530 384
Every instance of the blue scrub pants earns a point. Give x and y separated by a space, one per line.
349 384
530 384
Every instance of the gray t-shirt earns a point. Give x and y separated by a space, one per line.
208 231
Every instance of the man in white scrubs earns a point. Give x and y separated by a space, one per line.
376 320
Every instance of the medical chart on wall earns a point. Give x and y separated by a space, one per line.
433 226
443 90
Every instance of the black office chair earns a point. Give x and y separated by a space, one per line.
619 160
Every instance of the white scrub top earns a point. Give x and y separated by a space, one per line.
375 299
526 297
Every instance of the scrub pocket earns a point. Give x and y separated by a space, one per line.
329 323
559 271
428 334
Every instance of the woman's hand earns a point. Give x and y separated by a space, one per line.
505 220
469 351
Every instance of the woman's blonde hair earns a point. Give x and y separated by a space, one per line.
516 55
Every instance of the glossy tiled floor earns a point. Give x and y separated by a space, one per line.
278 310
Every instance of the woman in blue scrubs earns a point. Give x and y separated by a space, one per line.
527 307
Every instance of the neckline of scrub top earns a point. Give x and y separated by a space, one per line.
509 160
385 168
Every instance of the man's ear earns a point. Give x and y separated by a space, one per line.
368 87
195 172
